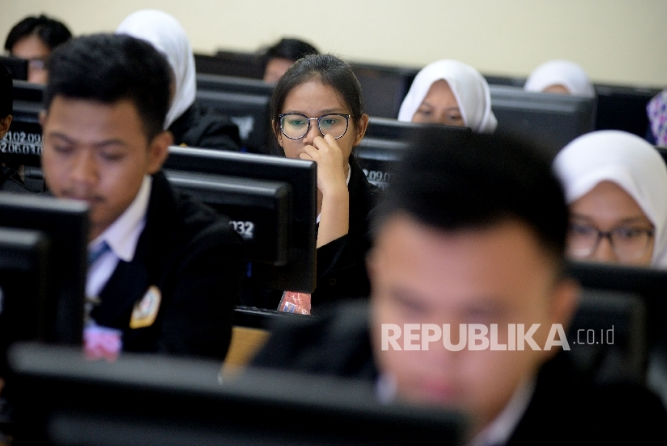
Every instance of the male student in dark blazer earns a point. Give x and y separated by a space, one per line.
164 270
472 231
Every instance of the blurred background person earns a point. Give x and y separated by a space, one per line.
33 38
191 124
560 76
282 55
452 93
615 185
657 116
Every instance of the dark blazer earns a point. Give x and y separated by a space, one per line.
196 260
341 263
203 127
564 409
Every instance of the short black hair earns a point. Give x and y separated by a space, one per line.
50 31
6 92
290 49
328 69
108 68
453 181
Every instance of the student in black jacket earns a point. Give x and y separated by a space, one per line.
469 247
164 270
317 114
190 123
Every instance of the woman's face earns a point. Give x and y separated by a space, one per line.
314 99
557 89
439 106
627 233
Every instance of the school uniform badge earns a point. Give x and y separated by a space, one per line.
145 311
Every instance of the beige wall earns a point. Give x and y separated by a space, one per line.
617 41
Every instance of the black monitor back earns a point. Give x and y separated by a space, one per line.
623 108
231 63
65 223
299 272
607 336
17 67
66 400
233 84
260 211
551 120
384 144
23 143
24 286
648 283
383 87
250 112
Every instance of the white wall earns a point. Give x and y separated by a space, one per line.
617 41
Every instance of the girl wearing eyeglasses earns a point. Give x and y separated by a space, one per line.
317 114
615 184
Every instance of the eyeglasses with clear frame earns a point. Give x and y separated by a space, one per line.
627 242
297 125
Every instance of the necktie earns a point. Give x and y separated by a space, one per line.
97 252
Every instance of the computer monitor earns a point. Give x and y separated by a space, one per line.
66 400
231 63
648 283
17 67
383 87
550 120
233 84
623 108
384 144
23 288
250 112
260 211
65 224
23 143
299 273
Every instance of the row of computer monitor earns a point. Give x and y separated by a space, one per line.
553 120
384 87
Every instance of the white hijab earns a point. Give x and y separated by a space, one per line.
561 72
168 36
627 160
469 87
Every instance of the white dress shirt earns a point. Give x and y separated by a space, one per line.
122 237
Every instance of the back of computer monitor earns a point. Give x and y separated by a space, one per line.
17 67
383 87
250 112
550 120
65 223
230 63
385 143
259 210
23 142
24 309
233 84
623 108
66 400
648 283
298 274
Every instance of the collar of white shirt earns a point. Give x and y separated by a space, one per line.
123 234
347 181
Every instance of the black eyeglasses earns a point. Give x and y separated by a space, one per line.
297 125
627 242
